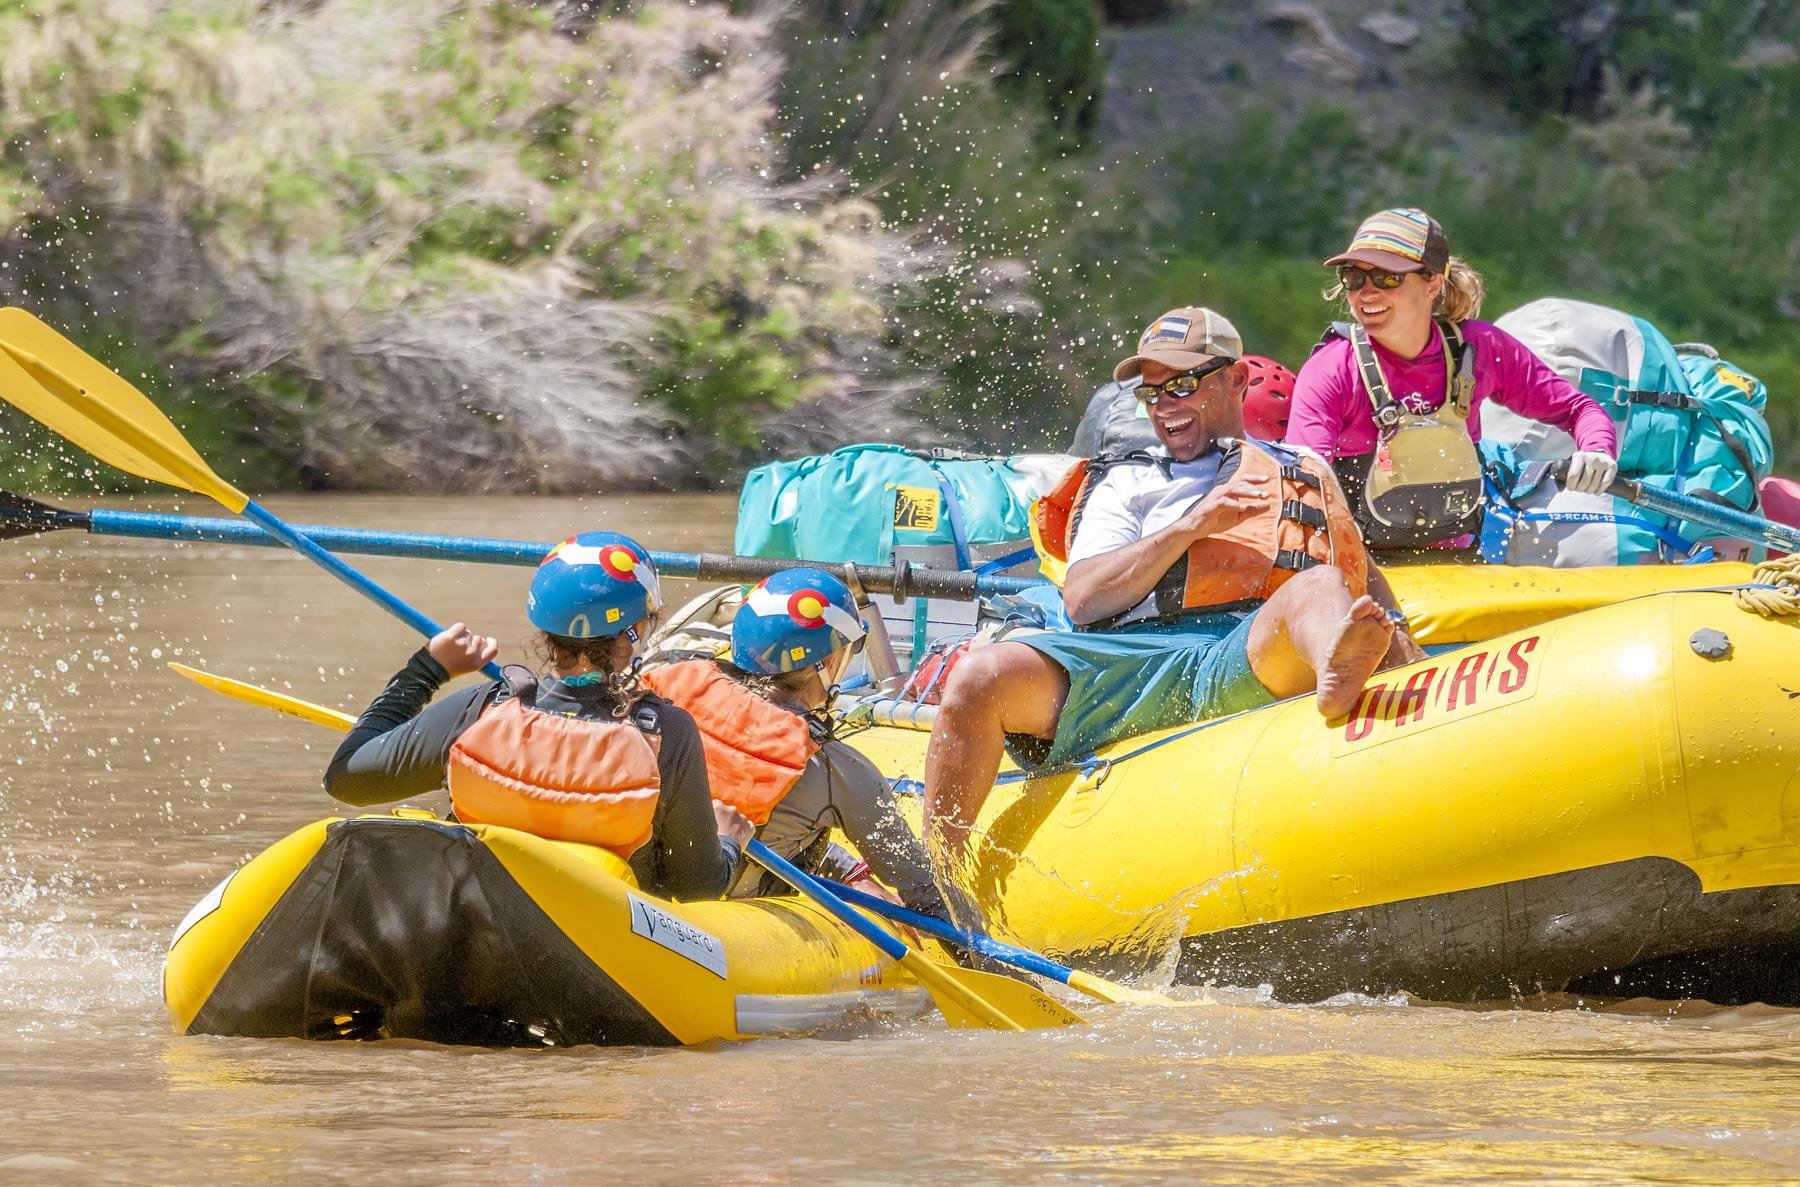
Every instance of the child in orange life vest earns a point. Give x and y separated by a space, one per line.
769 749
583 755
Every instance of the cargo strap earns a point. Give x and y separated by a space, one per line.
1002 563
1682 402
1501 508
953 508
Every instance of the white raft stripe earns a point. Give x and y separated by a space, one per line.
202 909
780 1014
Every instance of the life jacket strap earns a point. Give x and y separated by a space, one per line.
1459 377
1296 559
1294 473
1298 512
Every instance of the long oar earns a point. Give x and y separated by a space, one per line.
21 516
1718 517
76 396
1020 958
965 997
250 694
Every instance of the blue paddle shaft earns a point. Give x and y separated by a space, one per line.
937 929
337 568
817 891
923 582
363 541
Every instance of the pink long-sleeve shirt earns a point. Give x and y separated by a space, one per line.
1332 416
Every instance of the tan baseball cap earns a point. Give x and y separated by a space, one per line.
1183 338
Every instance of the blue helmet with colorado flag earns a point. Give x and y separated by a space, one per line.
593 584
797 618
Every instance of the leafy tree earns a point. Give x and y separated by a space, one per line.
1050 50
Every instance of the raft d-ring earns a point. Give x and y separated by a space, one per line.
1092 778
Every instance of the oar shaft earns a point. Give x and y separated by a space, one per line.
1706 513
816 890
1709 514
361 541
254 511
938 929
915 581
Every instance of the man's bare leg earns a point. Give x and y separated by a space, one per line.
1314 635
992 691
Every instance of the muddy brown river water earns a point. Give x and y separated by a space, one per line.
126 793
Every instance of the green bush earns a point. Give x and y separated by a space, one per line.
1050 52
457 245
1550 57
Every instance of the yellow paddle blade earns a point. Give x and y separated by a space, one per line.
78 397
971 999
252 695
1117 994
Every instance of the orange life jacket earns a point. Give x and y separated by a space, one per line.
755 751
1243 566
562 777
1238 569
1054 515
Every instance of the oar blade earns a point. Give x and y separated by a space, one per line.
250 694
972 999
1120 995
76 396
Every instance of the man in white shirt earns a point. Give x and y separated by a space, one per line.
1217 575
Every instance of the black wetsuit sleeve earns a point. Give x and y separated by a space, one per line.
685 858
840 787
398 747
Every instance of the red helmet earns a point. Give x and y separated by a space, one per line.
1266 399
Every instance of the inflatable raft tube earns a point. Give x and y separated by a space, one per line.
1598 804
403 926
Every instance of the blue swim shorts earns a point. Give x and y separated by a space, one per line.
1143 678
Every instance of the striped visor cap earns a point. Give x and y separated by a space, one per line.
1404 239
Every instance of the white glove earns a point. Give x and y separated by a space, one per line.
1591 472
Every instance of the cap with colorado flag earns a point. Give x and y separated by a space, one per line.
1404 239
1183 338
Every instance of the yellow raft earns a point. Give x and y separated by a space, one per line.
1584 802
404 926
1598 803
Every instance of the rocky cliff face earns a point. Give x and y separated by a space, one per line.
1395 65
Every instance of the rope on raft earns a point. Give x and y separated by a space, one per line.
1776 591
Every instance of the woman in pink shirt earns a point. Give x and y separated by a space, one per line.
1402 286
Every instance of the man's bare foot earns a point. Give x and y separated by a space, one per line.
1361 644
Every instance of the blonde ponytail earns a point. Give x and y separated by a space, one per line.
1460 298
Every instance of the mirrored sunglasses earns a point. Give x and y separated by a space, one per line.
1184 384
1354 278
